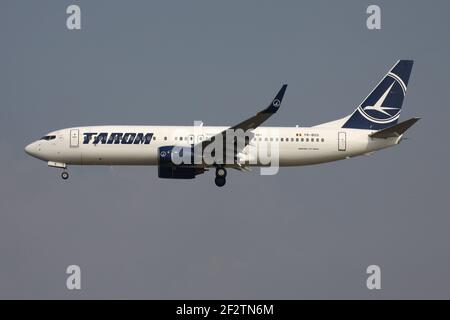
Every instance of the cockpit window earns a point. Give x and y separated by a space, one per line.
48 138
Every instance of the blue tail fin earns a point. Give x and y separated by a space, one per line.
382 107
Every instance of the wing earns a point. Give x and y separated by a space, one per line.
253 122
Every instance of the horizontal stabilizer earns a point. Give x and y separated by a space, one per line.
395 130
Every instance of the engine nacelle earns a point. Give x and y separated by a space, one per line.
176 162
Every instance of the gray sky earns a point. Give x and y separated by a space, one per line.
308 232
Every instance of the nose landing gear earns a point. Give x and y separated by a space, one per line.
221 174
65 175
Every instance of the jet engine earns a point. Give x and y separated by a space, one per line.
177 162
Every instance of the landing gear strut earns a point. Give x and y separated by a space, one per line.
65 175
221 174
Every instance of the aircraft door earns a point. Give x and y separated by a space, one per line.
342 141
74 138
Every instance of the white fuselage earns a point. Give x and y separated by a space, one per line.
297 145
183 152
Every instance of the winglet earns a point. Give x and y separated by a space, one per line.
276 102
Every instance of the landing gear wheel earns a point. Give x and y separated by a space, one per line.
65 175
220 181
221 172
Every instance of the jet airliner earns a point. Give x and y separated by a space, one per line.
372 126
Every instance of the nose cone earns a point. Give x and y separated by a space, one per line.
31 149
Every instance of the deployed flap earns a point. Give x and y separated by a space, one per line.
395 130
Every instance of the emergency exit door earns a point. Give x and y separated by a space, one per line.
342 141
74 138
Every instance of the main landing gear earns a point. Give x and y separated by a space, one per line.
221 174
65 175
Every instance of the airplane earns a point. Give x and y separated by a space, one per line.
372 126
